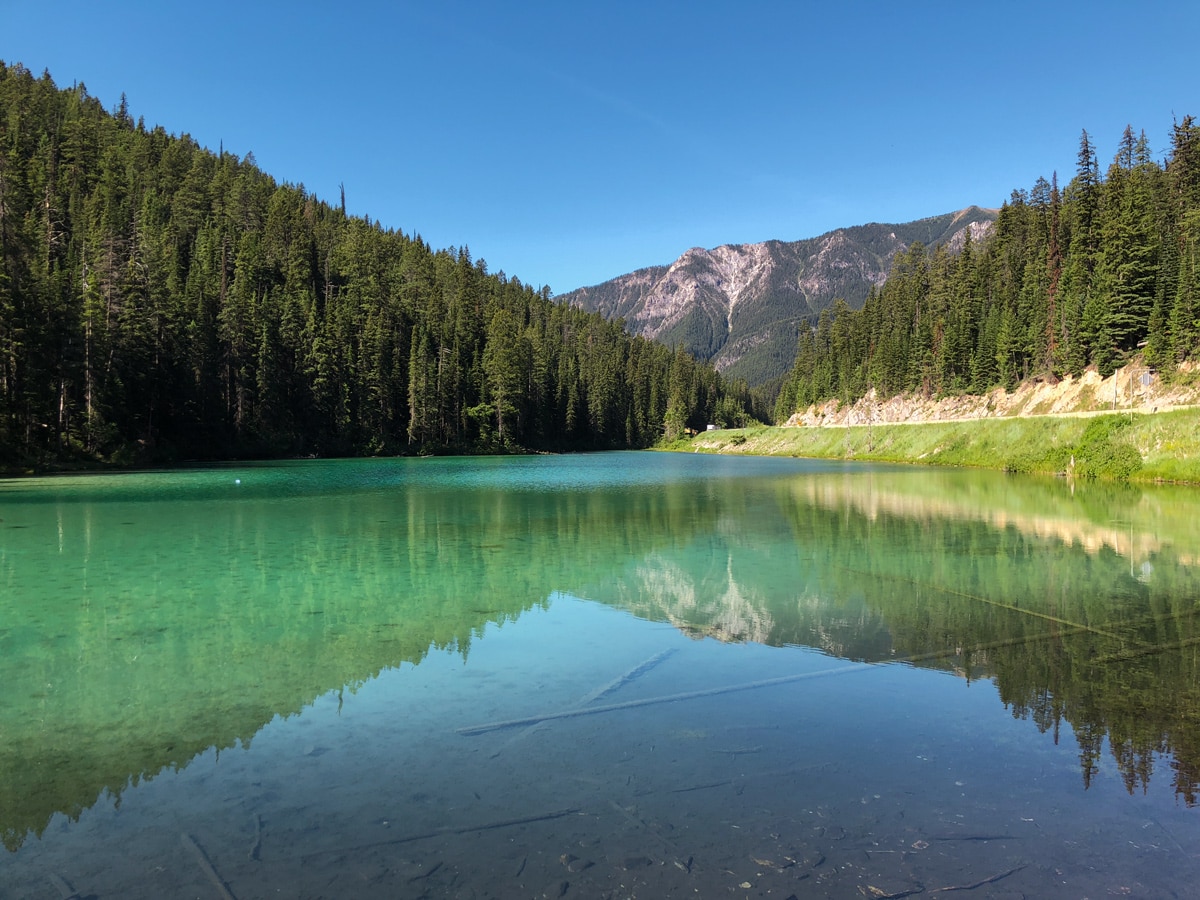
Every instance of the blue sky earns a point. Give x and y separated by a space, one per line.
570 142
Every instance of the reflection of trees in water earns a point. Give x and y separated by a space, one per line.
1029 582
323 592
1069 635
1142 696
1078 640
217 618
1069 629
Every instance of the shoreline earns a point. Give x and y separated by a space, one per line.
1141 447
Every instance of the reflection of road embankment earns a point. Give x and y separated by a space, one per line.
1135 525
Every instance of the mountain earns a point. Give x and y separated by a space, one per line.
741 306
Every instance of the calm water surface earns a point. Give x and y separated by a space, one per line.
625 675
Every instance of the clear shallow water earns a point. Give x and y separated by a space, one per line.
272 676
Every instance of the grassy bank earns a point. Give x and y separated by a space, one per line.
1142 447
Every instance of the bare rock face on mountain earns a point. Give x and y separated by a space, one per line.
742 305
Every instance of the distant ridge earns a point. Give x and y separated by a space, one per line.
741 305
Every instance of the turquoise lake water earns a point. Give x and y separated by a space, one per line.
612 675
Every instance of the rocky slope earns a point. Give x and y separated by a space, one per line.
741 305
1133 387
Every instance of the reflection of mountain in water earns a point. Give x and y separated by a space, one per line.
147 632
727 613
1077 619
732 596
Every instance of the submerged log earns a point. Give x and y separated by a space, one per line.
653 701
61 885
452 829
206 865
602 691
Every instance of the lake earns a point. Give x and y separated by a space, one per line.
611 675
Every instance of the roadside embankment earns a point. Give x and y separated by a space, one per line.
1075 433
1161 446
1133 387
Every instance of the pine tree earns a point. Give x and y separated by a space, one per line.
506 365
1127 268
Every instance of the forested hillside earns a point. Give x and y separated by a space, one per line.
1067 278
160 301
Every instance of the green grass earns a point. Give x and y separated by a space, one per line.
1142 447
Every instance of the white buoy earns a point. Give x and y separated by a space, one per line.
237 481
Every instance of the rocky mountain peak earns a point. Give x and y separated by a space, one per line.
742 305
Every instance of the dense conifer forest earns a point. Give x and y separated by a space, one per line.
159 301
1085 275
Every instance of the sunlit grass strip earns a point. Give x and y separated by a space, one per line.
1168 443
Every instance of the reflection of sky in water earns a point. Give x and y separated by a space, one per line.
146 630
